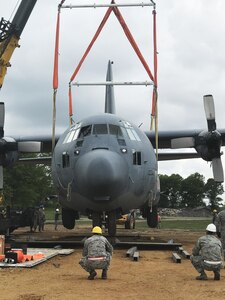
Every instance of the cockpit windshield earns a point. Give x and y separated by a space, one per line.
79 132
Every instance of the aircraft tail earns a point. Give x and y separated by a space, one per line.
109 92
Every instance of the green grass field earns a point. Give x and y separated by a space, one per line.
186 223
194 224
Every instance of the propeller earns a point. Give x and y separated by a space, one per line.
207 143
209 112
10 148
210 117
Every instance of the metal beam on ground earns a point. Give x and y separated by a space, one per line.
176 258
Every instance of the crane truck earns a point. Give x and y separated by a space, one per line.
10 33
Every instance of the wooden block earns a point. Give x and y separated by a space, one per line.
176 257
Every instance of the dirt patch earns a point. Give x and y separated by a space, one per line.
154 276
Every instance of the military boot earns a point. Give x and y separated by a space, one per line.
92 275
202 276
216 275
104 274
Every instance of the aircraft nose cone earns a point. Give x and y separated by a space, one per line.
101 174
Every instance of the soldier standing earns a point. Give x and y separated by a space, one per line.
36 218
57 214
97 253
207 254
220 226
41 219
214 220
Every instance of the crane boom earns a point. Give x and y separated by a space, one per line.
10 33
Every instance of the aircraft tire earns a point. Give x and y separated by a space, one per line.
68 218
152 219
112 223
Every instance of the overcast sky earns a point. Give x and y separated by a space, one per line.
191 60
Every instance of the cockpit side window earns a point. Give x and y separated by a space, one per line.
85 131
115 130
131 132
100 129
72 134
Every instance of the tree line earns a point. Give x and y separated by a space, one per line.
178 192
27 185
30 185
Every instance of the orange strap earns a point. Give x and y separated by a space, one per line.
133 44
70 104
108 12
131 40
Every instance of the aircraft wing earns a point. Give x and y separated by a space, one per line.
166 138
38 143
177 155
207 144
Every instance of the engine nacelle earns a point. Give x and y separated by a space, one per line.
8 152
208 145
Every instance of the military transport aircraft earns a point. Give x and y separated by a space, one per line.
104 166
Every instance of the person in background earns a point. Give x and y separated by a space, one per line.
36 218
57 214
214 219
158 221
97 253
207 254
41 218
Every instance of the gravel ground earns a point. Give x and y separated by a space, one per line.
154 276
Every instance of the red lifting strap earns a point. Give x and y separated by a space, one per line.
133 44
108 12
132 41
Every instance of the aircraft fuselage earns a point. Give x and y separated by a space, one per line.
103 164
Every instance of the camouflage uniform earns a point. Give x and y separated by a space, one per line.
97 253
41 219
220 226
207 254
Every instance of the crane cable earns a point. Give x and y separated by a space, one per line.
154 115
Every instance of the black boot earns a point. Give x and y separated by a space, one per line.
104 274
92 275
216 275
202 276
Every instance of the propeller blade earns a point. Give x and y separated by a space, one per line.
210 112
185 142
2 118
29 146
1 177
217 169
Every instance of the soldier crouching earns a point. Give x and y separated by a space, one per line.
97 253
207 254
